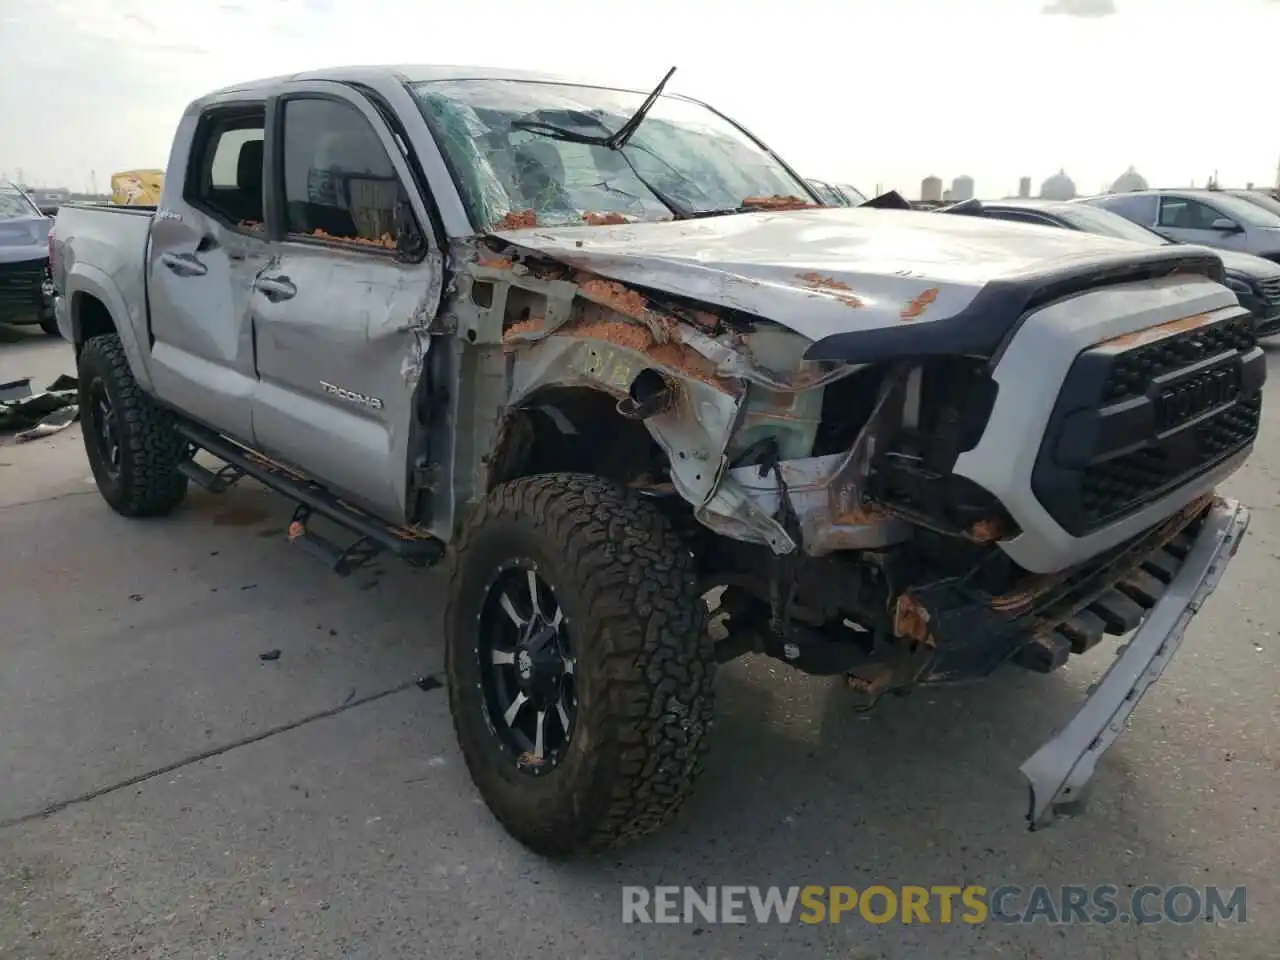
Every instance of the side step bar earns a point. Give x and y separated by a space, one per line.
373 536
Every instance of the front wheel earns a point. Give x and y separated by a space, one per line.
580 667
50 326
132 446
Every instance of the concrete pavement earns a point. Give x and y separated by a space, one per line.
168 794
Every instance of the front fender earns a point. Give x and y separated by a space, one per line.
84 280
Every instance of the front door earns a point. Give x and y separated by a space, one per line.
340 314
1188 220
207 242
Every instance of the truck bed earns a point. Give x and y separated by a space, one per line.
110 246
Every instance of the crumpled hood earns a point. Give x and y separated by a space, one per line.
834 270
24 238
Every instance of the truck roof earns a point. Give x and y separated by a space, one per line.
407 73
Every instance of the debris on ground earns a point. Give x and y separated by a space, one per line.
38 414
269 655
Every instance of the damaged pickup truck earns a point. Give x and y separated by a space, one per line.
606 356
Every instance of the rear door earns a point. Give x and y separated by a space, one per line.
340 313
207 244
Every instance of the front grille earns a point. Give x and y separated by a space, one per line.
1270 291
20 282
1133 370
1114 487
1135 422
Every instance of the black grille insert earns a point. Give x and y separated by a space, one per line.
20 282
1134 423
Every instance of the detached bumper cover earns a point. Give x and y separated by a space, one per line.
1059 772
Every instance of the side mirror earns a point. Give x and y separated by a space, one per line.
1226 226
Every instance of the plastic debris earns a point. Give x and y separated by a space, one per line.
38 414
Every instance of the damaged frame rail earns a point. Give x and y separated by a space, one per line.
1059 772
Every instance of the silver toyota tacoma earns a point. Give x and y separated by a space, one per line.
607 357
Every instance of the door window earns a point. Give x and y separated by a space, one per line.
339 183
224 177
1183 213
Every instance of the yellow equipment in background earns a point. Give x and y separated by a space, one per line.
132 187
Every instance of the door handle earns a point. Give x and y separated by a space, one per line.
275 289
184 264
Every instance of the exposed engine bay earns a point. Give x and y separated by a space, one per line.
821 495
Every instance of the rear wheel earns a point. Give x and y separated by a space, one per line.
50 326
580 667
131 443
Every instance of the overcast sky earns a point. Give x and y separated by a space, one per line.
867 91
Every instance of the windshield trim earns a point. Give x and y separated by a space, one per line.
412 87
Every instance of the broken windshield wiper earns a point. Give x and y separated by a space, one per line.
613 141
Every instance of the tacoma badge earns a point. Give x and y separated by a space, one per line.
373 403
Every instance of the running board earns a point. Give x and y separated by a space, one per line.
372 535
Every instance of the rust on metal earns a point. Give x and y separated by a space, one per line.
1160 331
616 297
517 220
919 304
604 219
984 531
831 287
871 679
487 259
861 515
910 619
527 325
779 203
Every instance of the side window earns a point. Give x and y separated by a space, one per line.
339 183
1141 210
1187 214
224 177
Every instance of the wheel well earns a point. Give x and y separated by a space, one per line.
91 318
574 430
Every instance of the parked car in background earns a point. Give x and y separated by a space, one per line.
1211 218
1255 281
837 194
26 289
1258 198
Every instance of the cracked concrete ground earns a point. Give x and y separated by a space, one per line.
167 794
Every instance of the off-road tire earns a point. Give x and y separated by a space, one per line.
645 661
148 483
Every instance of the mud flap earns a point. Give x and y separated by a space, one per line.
1059 772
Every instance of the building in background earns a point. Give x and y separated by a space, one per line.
1129 181
931 189
962 188
1058 187
1024 188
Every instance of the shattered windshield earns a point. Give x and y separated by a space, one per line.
683 156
